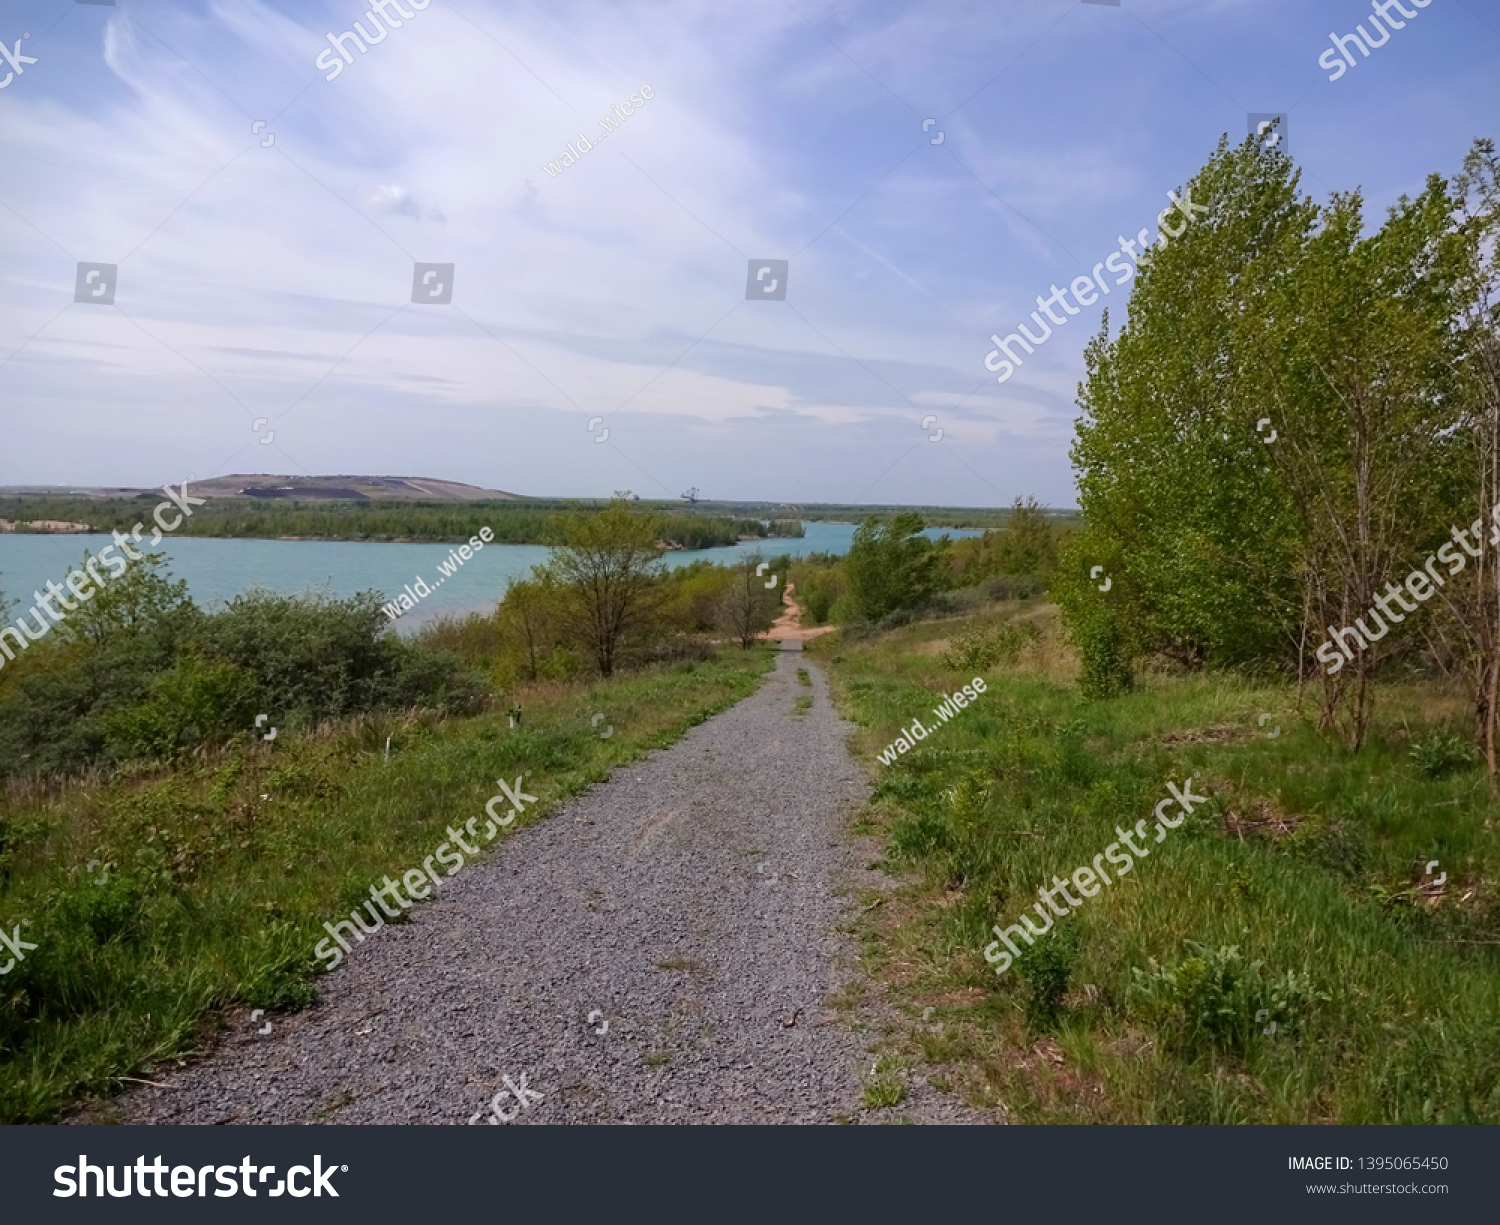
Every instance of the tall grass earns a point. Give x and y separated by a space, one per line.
1283 956
158 899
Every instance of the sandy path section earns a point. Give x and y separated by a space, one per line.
788 627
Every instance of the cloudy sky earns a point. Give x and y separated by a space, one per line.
266 222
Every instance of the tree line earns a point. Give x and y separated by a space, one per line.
404 521
1299 412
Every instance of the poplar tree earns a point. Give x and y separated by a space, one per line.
1183 516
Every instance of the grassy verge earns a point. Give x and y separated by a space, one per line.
1282 956
156 901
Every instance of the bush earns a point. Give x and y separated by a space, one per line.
198 701
980 649
1046 970
1106 671
891 567
141 672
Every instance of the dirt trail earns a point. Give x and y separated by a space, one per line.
662 949
788 627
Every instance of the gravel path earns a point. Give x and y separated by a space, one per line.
692 899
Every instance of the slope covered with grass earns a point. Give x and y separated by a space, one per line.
1282 956
157 899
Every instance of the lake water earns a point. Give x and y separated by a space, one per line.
218 570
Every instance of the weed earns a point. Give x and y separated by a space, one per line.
981 649
886 1087
1439 756
1046 971
1214 999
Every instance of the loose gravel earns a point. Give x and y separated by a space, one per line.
662 949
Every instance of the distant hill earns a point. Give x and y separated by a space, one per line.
268 487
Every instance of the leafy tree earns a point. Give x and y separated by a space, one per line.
1024 548
1222 545
747 609
1474 600
100 658
1182 509
891 566
530 614
607 566
1353 350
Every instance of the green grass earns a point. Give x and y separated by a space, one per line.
221 874
804 677
885 1087
1298 890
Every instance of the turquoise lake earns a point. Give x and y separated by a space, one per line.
218 570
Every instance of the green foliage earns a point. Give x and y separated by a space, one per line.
1213 999
747 608
607 571
891 566
979 649
56 695
1183 508
1024 550
1104 626
315 657
1046 969
1439 756
138 671
1035 780
511 522
195 702
819 581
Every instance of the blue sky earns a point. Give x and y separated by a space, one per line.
275 282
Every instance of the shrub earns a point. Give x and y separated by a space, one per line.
196 702
891 566
980 649
1046 970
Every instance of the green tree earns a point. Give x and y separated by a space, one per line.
1181 507
1474 600
891 566
747 608
529 615
607 566
1352 352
